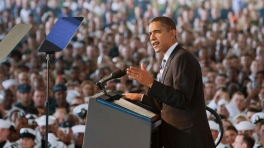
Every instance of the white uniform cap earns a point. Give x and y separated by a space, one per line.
65 4
31 116
42 120
78 129
244 125
257 117
213 125
5 124
77 45
7 83
27 131
71 94
222 102
78 109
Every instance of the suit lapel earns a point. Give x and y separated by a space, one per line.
168 63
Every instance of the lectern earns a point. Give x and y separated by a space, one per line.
109 125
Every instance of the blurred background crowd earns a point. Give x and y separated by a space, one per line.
226 37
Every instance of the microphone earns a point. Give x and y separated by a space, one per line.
116 74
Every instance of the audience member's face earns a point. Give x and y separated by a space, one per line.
21 122
88 90
8 99
245 61
39 98
75 74
261 133
23 78
25 97
220 80
255 66
230 136
42 130
4 134
26 142
60 97
238 100
210 89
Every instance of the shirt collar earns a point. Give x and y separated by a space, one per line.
169 51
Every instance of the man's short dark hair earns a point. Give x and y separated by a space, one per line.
166 22
248 140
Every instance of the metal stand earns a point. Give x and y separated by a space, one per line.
47 102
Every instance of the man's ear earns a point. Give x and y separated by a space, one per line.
244 145
174 33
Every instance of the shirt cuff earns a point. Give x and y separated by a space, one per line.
141 98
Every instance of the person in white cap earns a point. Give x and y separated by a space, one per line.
214 127
245 127
256 119
41 129
8 102
238 100
27 137
4 133
78 131
53 142
81 112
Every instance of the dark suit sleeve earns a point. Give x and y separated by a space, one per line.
179 82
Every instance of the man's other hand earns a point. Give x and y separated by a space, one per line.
133 96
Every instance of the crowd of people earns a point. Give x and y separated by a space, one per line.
226 37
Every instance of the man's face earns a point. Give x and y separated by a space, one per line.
39 98
3 134
42 129
209 88
220 80
25 97
238 142
26 142
238 100
160 37
23 79
60 96
9 98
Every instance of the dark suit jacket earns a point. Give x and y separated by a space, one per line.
183 112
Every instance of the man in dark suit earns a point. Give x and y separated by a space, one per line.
179 91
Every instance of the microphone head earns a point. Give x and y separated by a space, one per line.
119 73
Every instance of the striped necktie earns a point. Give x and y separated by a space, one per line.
162 64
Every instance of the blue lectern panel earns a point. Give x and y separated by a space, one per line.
61 34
